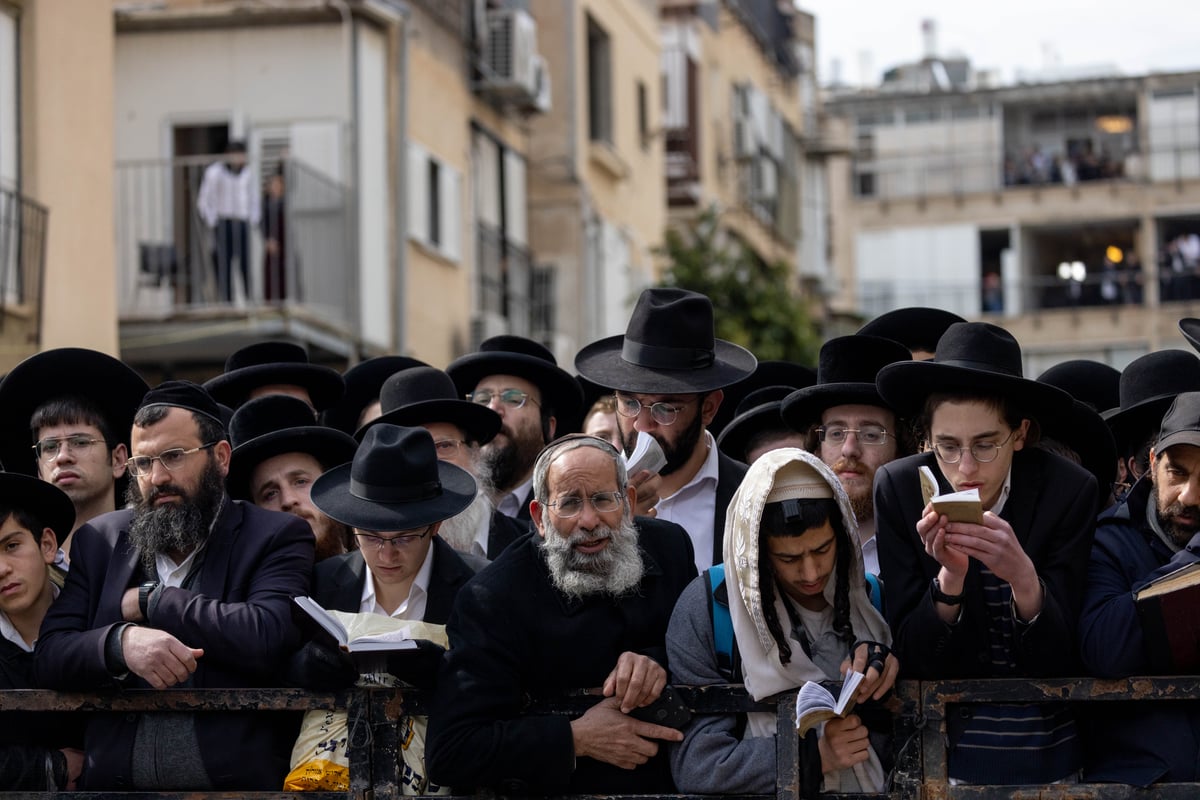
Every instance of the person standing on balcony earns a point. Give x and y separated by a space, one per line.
274 230
228 204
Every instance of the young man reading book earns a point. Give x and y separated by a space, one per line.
997 599
1154 531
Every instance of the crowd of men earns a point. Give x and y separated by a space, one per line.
155 537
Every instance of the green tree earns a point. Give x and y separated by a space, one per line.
755 304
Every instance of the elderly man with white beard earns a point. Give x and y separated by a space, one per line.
596 591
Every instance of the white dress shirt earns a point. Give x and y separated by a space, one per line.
510 503
694 505
229 195
413 607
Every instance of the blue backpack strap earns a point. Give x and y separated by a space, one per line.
722 622
875 591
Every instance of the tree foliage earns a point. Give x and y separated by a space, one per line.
755 304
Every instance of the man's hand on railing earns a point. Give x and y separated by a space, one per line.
843 744
157 656
606 734
636 681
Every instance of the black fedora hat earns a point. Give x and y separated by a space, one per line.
1190 328
1148 386
846 370
524 358
915 327
767 373
758 412
269 426
1091 382
46 501
975 358
269 363
109 384
422 395
363 383
669 347
395 483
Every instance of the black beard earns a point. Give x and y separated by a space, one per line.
176 527
679 453
506 466
1181 536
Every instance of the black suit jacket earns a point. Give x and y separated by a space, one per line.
505 530
1051 508
729 477
240 613
513 634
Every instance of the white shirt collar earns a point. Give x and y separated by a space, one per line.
10 633
413 607
998 506
510 503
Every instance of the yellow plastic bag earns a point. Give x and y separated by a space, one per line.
320 761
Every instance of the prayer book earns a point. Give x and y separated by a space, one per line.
816 704
647 454
1167 607
361 633
956 506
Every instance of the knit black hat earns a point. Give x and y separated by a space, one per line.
186 395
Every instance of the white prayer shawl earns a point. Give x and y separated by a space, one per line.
789 473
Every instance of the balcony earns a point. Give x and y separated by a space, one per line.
182 293
22 269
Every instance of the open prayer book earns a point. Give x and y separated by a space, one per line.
647 454
364 633
956 506
816 704
1167 608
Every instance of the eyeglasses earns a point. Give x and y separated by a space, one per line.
48 449
982 452
382 543
603 502
873 435
513 398
448 448
171 459
663 413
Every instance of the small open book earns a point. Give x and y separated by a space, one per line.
956 506
816 704
647 454
361 633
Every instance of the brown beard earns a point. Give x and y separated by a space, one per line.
862 503
1180 536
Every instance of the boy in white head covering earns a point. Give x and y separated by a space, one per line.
800 612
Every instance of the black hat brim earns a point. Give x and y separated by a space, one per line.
363 382
331 494
1083 430
479 423
736 436
904 387
558 387
1144 417
323 384
601 363
46 501
110 384
916 328
328 446
1190 328
804 407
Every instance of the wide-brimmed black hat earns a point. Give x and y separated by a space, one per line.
110 385
270 363
1148 386
1190 328
767 373
1082 429
269 426
669 347
758 411
422 395
916 327
395 483
44 500
524 358
363 383
1091 382
846 370
974 358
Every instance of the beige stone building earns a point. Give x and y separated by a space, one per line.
1056 209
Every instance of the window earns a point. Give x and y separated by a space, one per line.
643 113
599 78
434 237
9 126
434 203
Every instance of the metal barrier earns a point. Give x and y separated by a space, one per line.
920 708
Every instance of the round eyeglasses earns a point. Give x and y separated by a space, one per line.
982 452
662 412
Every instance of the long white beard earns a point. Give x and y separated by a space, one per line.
615 570
460 530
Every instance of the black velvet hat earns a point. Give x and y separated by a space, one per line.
1190 328
422 395
669 347
973 358
46 501
1090 382
363 383
268 363
269 426
846 372
395 483
524 358
109 384
758 411
185 395
1148 386
916 327
767 373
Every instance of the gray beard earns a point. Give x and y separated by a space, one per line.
460 530
177 527
615 571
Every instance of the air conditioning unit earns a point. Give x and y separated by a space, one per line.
540 101
485 325
510 66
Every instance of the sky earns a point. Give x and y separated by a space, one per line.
1137 36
